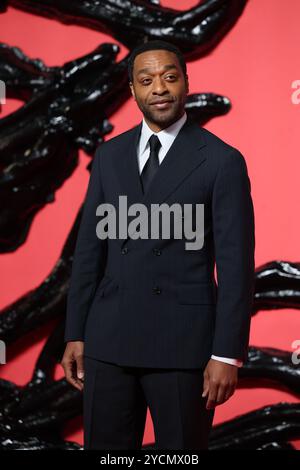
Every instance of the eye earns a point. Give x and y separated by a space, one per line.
145 80
172 77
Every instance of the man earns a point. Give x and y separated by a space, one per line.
147 325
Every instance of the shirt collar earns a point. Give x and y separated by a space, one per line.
166 136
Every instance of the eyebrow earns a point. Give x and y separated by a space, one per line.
166 67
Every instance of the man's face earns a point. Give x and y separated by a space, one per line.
158 78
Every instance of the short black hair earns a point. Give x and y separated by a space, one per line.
154 45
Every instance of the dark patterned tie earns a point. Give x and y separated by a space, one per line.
152 163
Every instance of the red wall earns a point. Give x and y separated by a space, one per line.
254 66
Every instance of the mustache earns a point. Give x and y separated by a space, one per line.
162 100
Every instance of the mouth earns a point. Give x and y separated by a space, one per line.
164 104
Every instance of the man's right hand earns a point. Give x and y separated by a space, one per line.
72 363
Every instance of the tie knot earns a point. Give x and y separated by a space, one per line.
155 143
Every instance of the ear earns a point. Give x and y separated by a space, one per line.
132 90
187 84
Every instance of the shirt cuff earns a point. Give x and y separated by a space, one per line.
228 360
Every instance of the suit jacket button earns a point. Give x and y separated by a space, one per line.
156 290
156 251
124 251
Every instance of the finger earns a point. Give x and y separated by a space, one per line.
205 386
212 396
80 367
230 391
75 379
221 394
76 383
69 374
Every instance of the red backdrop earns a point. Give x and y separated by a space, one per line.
254 66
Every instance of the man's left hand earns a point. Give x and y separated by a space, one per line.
220 380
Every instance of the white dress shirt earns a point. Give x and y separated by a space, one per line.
167 137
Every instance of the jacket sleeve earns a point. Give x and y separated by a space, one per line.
234 243
88 261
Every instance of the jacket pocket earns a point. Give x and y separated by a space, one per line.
105 281
196 293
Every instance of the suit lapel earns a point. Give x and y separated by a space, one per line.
181 159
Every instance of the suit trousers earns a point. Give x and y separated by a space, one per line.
115 401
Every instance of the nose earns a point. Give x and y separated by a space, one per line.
159 86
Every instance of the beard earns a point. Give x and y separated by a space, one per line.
162 117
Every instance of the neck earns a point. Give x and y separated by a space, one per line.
157 127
